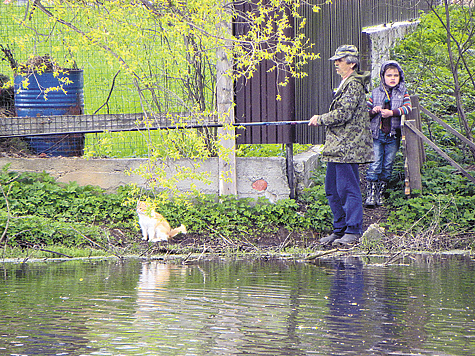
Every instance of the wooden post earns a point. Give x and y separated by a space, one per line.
289 155
413 149
225 106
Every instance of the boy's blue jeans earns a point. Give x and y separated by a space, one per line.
342 188
385 148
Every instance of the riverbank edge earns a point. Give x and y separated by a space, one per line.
199 257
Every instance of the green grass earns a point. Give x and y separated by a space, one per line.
118 144
268 150
55 251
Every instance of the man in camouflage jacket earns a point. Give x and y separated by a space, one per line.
348 143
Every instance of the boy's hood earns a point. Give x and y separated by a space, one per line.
392 63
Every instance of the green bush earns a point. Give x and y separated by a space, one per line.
234 217
317 211
41 211
446 204
424 56
44 212
268 150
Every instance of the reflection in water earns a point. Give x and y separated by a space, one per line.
366 306
344 306
153 299
400 309
346 292
37 317
185 313
344 327
153 280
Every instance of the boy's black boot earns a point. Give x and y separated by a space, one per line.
380 189
370 194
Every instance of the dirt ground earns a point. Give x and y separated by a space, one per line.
276 242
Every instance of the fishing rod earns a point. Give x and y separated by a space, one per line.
272 123
244 124
171 127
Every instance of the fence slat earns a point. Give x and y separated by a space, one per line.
448 127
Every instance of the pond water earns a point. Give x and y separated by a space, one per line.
340 306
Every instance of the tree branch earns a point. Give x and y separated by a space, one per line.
89 38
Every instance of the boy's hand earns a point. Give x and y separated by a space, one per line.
386 113
377 109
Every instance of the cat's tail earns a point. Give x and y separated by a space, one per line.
179 230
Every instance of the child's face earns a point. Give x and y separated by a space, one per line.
391 77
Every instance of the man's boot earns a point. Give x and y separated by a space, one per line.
370 194
327 241
347 240
380 189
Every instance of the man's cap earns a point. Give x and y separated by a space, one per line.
343 51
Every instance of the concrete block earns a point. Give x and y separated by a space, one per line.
304 164
253 171
256 176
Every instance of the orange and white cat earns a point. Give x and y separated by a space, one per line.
154 226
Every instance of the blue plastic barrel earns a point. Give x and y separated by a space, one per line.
33 102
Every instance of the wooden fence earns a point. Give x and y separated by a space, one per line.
413 146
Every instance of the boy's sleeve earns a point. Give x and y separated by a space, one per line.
370 104
406 107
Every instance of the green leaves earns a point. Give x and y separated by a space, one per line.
439 68
40 211
318 215
446 204
229 216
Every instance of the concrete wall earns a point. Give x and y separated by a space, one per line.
382 39
256 176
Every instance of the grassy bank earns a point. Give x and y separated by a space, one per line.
40 218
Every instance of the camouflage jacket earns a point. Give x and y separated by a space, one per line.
348 136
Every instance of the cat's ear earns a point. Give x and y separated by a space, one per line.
141 205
